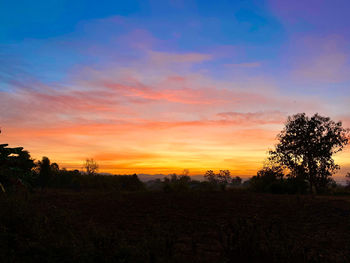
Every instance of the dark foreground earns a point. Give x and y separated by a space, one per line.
64 226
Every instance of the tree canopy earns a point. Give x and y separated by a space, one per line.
91 167
15 164
306 148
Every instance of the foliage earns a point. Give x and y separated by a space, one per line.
236 181
49 175
177 183
184 183
15 167
65 179
271 179
306 146
108 182
221 179
46 171
91 167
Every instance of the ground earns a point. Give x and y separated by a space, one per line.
231 226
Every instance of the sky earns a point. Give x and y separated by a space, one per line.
161 86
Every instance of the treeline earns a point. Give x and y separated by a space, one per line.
76 180
18 171
49 175
179 183
268 180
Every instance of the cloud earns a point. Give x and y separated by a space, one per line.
131 155
254 118
118 146
115 96
133 107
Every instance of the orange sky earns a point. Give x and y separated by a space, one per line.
159 132
154 147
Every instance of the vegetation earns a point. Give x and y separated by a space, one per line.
15 167
222 179
306 147
91 167
272 180
19 171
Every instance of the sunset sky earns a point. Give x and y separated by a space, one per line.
161 86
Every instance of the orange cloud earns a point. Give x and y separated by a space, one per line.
165 58
254 118
163 146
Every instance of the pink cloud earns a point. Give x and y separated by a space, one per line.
254 118
122 95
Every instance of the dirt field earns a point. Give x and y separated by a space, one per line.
66 226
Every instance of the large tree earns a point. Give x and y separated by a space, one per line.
15 166
306 147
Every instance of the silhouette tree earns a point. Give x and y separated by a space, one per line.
44 169
210 176
15 166
268 179
306 146
236 181
224 177
185 172
55 169
184 178
47 171
221 179
91 166
271 171
177 182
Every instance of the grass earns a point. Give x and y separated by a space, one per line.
231 226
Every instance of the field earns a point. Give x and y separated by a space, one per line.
231 226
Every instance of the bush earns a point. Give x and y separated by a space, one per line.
272 180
